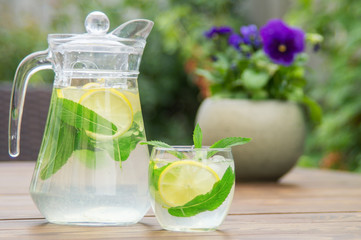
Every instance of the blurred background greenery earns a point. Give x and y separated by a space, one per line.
335 82
170 95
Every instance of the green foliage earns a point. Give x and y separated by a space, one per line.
336 81
251 74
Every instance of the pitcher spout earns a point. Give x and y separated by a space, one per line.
135 29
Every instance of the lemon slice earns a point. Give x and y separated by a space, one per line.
91 85
111 105
70 93
133 98
183 180
73 93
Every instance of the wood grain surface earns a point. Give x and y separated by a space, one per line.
305 204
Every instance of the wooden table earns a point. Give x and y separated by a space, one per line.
305 204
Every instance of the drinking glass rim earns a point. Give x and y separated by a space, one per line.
190 148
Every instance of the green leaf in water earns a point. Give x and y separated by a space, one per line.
62 147
82 117
120 148
154 173
83 141
209 201
87 157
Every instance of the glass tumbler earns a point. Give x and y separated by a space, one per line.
191 188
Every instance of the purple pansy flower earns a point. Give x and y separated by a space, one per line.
235 40
222 30
251 35
281 42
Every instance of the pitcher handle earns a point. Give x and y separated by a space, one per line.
28 66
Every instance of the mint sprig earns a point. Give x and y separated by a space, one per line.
69 122
209 201
197 141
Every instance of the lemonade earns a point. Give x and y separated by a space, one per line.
91 168
191 190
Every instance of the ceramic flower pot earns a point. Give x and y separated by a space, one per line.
277 129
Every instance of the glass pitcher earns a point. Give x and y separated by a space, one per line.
91 169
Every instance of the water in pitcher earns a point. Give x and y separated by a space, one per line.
88 156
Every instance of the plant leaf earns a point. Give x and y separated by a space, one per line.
157 144
79 116
124 146
120 148
160 144
254 79
64 148
209 201
315 111
87 157
230 142
82 141
227 143
205 73
197 137
154 174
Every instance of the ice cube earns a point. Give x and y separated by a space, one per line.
219 164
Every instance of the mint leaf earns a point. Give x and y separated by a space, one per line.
79 116
209 201
87 157
227 143
197 137
160 144
155 173
230 142
120 148
157 144
59 154
124 146
83 141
